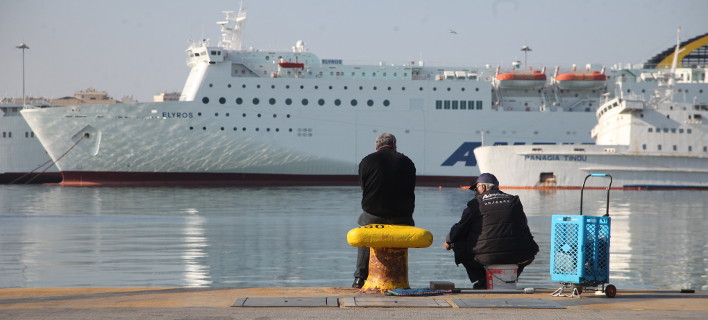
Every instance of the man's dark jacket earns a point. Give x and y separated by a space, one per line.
387 181
493 230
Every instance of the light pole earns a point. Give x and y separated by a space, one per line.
526 50
23 47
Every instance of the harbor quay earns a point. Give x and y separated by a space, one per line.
340 303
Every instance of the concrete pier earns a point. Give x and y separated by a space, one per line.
338 303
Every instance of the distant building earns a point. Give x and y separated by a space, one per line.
88 96
166 96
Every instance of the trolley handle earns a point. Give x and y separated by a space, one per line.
607 209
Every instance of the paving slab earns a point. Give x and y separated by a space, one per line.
508 303
393 302
287 302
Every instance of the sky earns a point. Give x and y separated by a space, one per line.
137 47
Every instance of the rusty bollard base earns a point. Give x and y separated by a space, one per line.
388 270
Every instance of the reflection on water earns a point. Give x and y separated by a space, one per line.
54 236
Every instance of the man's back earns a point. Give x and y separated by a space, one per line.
387 181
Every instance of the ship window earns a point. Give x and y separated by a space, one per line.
271 101
330 87
216 114
446 104
256 101
455 105
210 86
222 100
199 114
204 128
673 130
272 86
228 85
476 89
361 88
386 103
258 86
644 146
690 148
420 89
287 87
239 101
205 100
317 87
705 149
302 87
337 102
659 147
191 128
375 88
438 104
222 128
243 86
345 87
353 102
288 101
463 104
389 88
658 130
305 102
235 129
680 130
257 129
448 89
243 129
403 88
435 89
321 102
370 102
243 115
479 105
675 148
650 130
259 115
688 131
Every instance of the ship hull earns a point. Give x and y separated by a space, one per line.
565 167
22 158
197 143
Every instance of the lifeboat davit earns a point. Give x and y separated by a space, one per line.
291 65
581 80
521 80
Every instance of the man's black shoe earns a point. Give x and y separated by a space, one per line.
358 283
480 285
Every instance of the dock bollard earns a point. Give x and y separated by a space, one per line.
388 260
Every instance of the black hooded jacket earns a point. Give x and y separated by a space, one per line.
493 230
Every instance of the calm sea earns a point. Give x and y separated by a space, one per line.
52 236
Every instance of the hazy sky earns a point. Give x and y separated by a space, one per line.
136 48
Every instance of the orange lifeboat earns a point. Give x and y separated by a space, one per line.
581 80
291 65
521 80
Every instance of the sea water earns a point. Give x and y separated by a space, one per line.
53 236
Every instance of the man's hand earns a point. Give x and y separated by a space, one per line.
447 245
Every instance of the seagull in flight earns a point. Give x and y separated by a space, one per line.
453 31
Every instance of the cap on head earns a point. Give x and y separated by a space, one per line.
484 178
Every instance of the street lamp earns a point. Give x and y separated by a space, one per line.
23 46
526 50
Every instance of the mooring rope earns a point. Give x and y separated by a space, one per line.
85 135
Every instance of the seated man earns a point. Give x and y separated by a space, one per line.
493 230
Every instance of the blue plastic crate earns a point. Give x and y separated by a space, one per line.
580 249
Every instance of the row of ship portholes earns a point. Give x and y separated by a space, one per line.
216 114
361 88
304 102
301 132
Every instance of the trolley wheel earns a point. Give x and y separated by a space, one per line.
580 289
610 291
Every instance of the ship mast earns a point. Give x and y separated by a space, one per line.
232 28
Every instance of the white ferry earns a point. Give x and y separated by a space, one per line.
655 143
22 158
253 117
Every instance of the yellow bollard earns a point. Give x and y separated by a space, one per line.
388 260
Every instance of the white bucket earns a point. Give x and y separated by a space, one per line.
501 276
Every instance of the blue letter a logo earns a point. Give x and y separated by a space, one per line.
463 153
